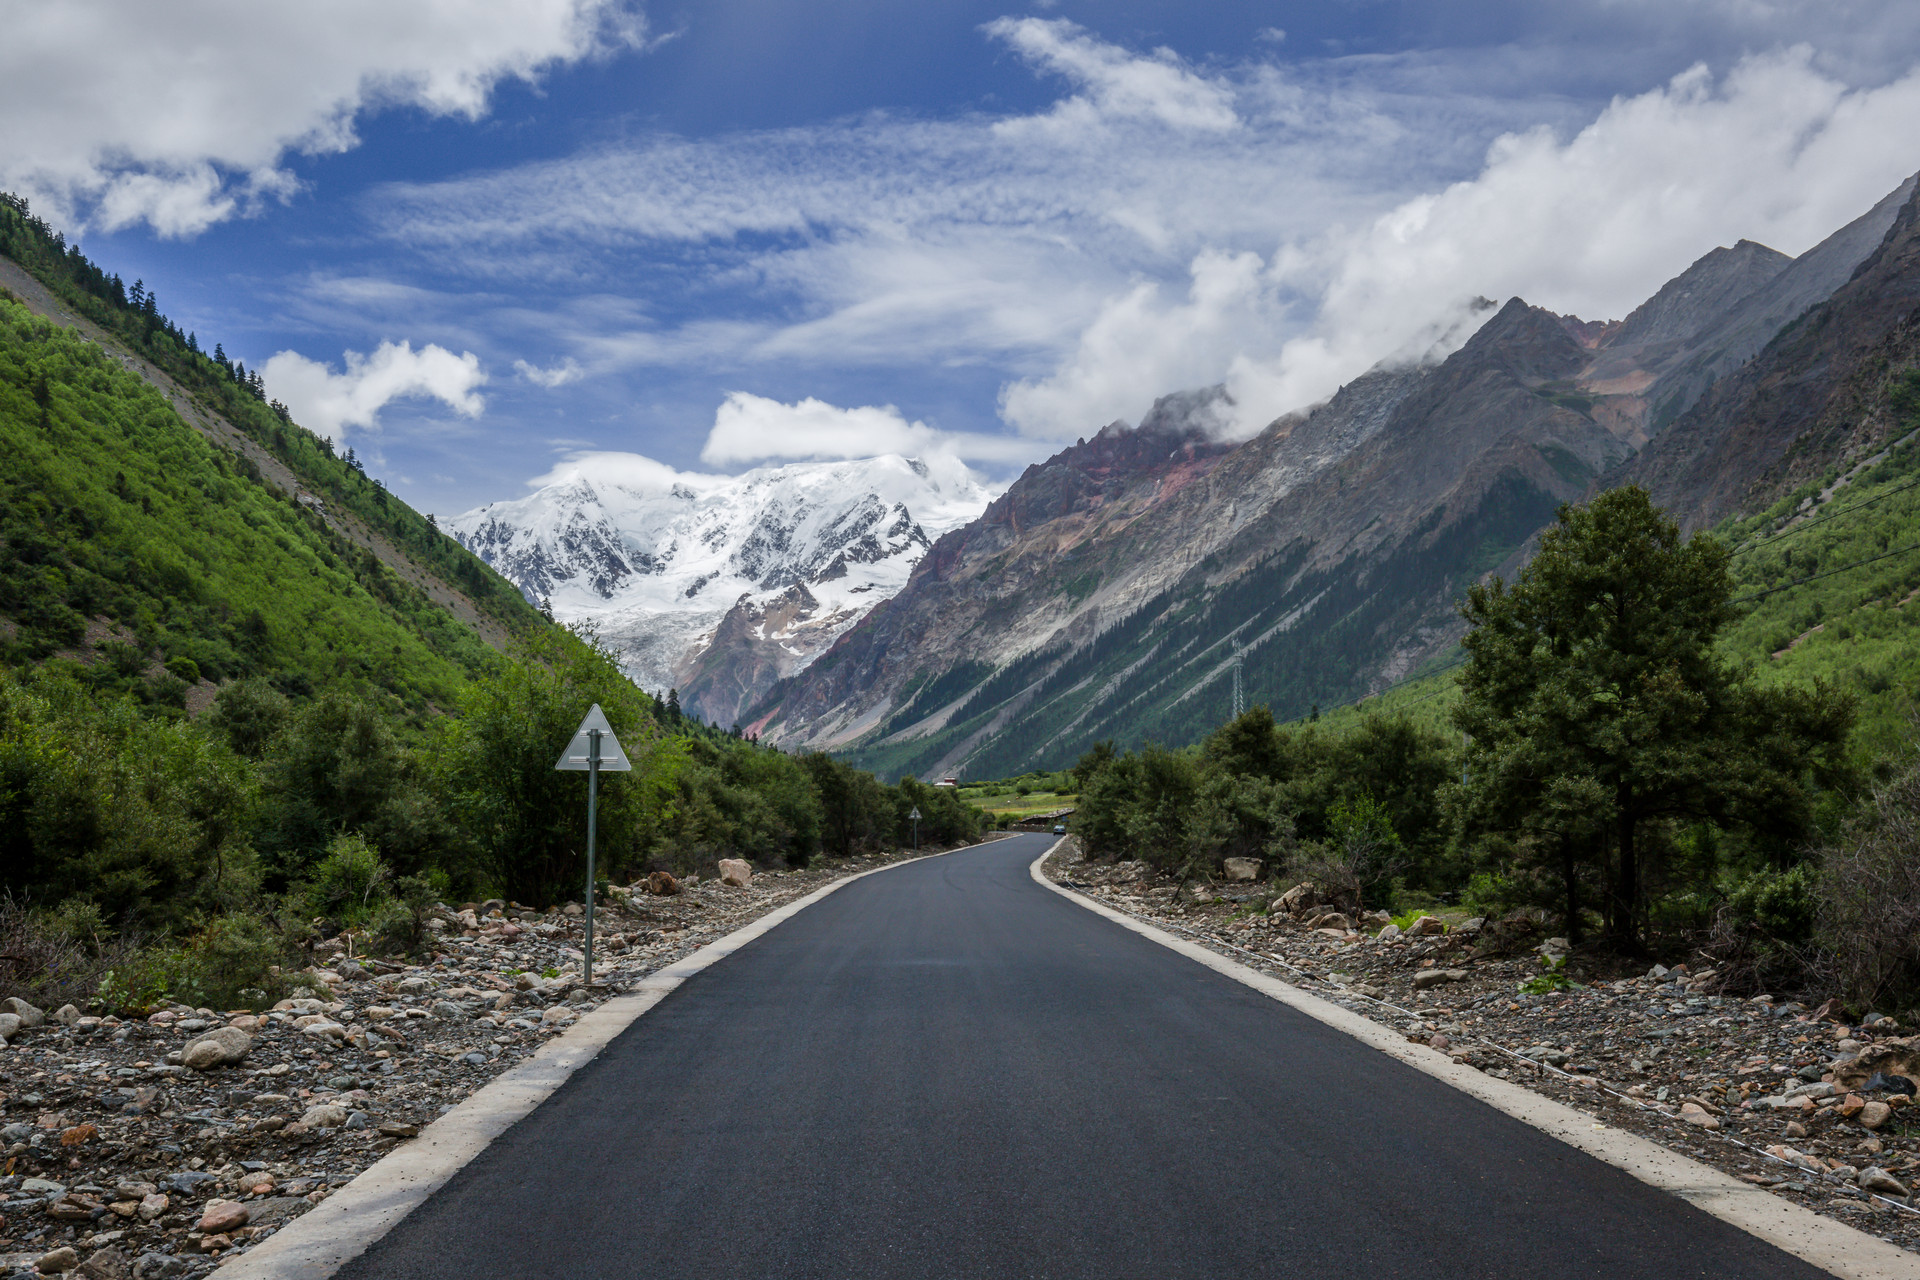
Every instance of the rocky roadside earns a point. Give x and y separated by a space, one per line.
158 1147
1791 1099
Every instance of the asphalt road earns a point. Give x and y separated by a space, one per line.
945 1070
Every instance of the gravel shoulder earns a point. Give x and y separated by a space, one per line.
1774 1094
165 1146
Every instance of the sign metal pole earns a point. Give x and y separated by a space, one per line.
594 749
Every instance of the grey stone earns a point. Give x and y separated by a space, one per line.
230 1044
66 1015
188 1180
60 1260
1244 869
1880 1182
107 1264
358 1120
447 1011
324 1115
28 1015
157 1266
277 1209
1429 978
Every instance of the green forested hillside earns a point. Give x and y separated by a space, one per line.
112 508
1826 579
230 399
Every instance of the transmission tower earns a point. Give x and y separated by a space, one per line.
1239 696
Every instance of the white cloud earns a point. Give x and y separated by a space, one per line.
1775 151
1170 225
1113 83
327 403
182 114
568 370
749 428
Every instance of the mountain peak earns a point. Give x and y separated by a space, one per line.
1701 294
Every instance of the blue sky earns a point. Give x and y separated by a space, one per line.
474 240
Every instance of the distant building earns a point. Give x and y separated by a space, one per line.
947 782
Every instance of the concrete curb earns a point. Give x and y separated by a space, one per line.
341 1227
1829 1245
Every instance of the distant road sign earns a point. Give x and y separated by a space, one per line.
915 815
579 752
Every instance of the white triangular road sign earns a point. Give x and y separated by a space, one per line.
612 758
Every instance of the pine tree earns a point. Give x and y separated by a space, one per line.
1601 716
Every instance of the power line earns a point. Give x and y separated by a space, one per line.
1788 533
1797 582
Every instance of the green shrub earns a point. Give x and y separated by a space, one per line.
400 928
145 980
349 884
235 962
1779 904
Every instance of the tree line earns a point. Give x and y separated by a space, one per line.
1612 768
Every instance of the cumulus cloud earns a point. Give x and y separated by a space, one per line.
749 428
327 403
181 115
1774 151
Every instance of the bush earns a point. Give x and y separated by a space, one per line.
1867 911
1763 932
144 980
56 957
349 884
401 926
1356 866
235 960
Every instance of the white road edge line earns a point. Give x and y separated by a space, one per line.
1832 1246
343 1226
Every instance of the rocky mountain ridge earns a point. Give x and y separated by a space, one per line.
1110 590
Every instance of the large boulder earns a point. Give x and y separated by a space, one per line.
222 1046
10 1025
1244 869
28 1015
1298 900
1426 925
737 872
662 884
1892 1059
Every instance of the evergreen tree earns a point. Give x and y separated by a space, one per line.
1600 716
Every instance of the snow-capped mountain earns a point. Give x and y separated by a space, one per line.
657 560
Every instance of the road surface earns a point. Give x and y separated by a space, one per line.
945 1070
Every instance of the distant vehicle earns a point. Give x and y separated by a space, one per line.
1059 828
